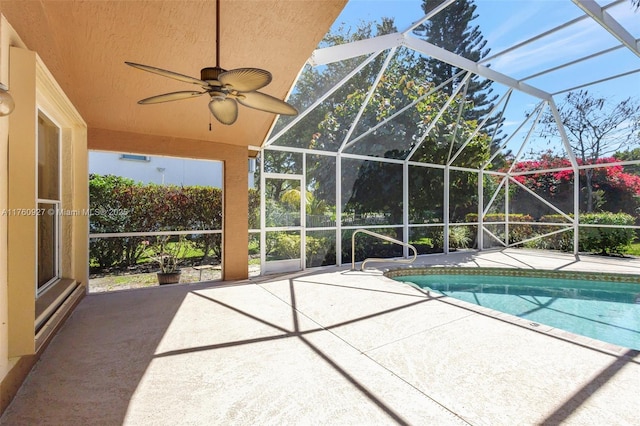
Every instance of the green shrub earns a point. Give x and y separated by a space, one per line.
427 240
517 232
459 237
370 246
110 213
606 240
121 205
254 208
562 241
254 244
321 251
283 245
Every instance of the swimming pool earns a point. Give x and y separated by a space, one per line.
603 307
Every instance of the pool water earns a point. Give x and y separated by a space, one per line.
602 310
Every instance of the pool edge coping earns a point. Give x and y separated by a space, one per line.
511 272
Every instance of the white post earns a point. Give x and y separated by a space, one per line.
303 213
405 207
480 209
506 212
445 237
263 221
338 210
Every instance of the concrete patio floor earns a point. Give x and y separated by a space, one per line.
326 347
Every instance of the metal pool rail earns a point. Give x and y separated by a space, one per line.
375 259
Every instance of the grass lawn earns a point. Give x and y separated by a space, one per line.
633 250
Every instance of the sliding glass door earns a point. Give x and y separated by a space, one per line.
48 202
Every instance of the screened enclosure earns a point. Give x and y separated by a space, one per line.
533 144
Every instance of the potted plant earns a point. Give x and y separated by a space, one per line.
168 252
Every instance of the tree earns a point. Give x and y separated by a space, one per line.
326 126
451 29
369 188
594 128
314 82
315 131
628 155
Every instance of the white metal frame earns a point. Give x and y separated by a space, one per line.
389 43
283 266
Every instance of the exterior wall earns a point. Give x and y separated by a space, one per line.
21 266
33 89
5 363
160 170
235 189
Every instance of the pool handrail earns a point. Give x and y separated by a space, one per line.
377 259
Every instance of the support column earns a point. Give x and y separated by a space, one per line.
235 259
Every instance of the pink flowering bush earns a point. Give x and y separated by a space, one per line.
614 189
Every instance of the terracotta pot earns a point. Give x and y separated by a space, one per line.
168 277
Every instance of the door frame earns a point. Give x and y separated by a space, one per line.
285 265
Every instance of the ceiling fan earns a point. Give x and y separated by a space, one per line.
226 88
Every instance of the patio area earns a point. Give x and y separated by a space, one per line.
328 346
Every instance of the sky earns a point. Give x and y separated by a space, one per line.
504 23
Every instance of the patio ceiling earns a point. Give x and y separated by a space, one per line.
85 44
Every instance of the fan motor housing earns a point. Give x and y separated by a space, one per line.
217 95
211 73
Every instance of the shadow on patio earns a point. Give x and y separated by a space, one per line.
325 347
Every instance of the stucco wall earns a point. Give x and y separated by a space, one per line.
36 92
8 37
34 89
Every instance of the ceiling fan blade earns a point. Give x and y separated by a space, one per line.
245 79
170 74
264 102
224 110
167 97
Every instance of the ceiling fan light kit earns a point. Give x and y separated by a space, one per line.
226 88
6 101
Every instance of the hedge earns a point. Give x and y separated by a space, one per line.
516 232
606 240
601 240
120 205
